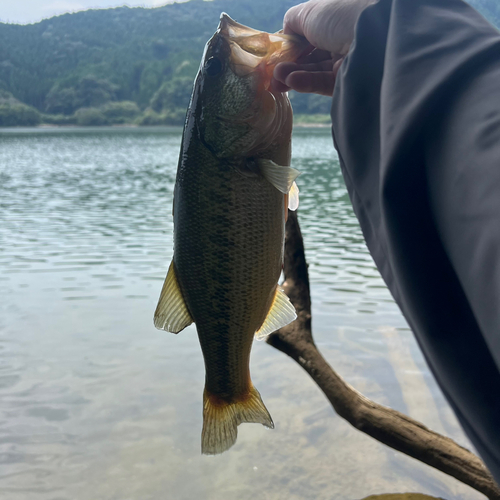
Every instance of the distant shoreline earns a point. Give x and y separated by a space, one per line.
312 125
299 124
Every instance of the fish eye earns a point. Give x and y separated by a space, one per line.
213 66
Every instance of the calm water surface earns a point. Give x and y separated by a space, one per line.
97 404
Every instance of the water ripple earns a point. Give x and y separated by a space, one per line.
95 402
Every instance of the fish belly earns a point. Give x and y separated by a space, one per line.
229 235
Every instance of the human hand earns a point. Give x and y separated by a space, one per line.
328 25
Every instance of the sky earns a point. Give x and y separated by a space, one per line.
32 11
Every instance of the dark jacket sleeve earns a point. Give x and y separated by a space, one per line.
416 122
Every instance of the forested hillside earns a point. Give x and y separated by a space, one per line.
117 65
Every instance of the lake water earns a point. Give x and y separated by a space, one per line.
96 404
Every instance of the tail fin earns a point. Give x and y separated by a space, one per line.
220 421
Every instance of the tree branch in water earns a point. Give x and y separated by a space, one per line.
380 422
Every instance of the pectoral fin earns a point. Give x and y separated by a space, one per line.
279 176
171 312
281 313
293 197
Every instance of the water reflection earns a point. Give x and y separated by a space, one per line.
98 404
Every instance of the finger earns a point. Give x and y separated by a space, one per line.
277 86
307 50
319 82
282 70
316 55
319 66
292 22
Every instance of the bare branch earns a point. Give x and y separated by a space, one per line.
380 422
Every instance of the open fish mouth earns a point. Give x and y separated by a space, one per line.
253 50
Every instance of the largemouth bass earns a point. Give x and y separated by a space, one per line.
230 202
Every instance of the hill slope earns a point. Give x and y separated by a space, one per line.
147 56
127 52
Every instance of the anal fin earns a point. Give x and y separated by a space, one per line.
281 314
171 312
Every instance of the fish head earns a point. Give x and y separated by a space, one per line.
237 111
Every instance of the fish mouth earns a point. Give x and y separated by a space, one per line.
252 50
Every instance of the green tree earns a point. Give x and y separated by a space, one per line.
88 92
91 58
90 117
14 113
120 112
172 95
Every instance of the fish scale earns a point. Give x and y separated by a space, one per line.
232 184
227 273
